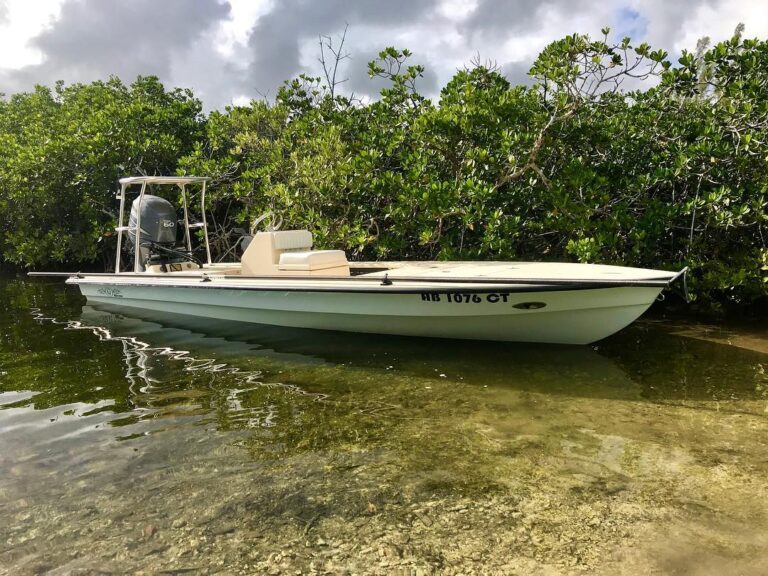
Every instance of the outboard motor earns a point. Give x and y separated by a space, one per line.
158 227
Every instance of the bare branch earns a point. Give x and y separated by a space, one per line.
330 61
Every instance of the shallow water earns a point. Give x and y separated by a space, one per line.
174 445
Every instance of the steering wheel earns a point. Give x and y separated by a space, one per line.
274 223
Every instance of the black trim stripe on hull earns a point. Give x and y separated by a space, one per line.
384 290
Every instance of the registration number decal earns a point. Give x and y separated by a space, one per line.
465 297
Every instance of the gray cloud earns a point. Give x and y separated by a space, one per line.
276 40
96 38
517 73
495 19
666 20
500 17
214 78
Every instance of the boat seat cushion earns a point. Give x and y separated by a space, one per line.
312 260
292 240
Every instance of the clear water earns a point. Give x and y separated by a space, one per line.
175 445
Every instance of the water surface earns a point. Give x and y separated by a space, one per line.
171 444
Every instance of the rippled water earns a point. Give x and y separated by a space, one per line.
179 445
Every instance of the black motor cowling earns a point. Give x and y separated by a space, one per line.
158 226
158 220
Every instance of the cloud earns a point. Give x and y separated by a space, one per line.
277 39
97 38
517 73
239 49
716 19
499 18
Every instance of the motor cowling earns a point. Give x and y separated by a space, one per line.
158 225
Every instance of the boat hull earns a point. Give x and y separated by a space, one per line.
562 316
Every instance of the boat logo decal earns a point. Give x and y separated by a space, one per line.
109 291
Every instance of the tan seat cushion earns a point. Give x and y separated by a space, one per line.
292 239
312 260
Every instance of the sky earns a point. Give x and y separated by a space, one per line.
230 51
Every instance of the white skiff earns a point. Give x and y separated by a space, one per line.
281 281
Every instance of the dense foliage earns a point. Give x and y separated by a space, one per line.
577 166
61 152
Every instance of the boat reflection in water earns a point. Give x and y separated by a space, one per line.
151 338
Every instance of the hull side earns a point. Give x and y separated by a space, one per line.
567 317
